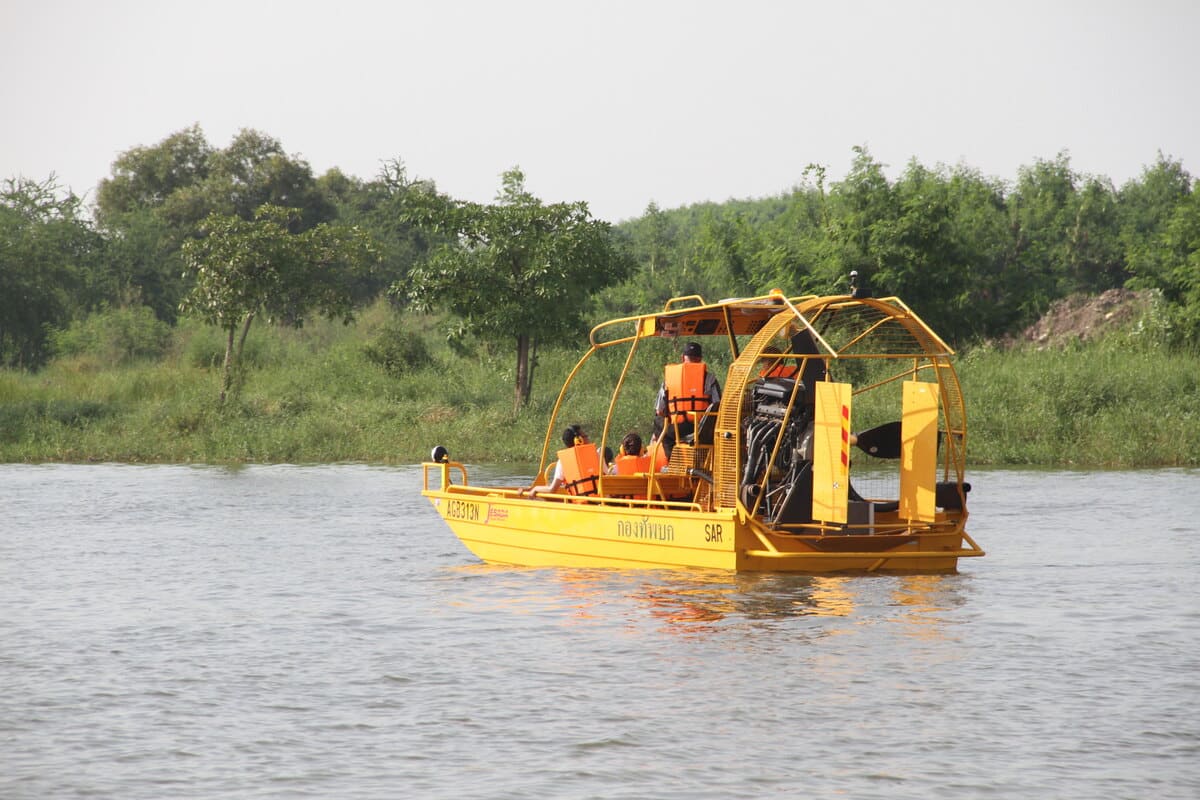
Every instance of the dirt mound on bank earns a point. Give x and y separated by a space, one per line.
1086 317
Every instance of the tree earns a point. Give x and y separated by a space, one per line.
1042 211
516 271
147 177
654 238
1148 203
720 253
1170 263
52 267
378 207
158 196
858 205
246 268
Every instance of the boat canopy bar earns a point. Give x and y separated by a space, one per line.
874 321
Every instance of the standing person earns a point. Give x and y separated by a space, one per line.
689 390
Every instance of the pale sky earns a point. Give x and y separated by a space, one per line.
614 103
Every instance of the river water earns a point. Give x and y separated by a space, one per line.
280 632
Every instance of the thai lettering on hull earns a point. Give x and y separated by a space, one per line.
646 529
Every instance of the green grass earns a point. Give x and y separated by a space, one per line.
1101 405
314 396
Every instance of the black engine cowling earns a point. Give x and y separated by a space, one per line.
787 492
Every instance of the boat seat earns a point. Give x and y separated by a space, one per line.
656 486
703 433
685 457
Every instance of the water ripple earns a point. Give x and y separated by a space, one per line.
283 632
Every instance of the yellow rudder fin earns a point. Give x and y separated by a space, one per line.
831 452
918 451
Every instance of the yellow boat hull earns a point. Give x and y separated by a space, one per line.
501 527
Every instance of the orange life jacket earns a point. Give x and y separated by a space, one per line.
685 390
580 467
628 465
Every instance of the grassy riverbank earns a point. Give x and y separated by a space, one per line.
314 396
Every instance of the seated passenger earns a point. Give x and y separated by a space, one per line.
632 458
577 469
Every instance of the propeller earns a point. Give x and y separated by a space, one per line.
881 442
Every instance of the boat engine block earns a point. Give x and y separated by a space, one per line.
786 493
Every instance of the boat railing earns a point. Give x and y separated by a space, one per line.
659 491
625 502
905 528
442 469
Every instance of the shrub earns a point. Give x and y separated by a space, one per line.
114 336
74 413
204 347
398 351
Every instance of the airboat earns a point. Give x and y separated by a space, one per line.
838 445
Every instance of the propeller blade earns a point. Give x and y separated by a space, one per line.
881 442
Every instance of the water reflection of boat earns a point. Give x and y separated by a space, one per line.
764 483
753 597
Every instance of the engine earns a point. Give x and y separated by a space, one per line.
786 494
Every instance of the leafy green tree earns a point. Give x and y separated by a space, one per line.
1147 204
517 271
795 240
916 251
1155 214
243 269
149 177
378 207
859 205
723 251
144 267
654 239
1042 212
1095 257
1170 263
254 170
979 227
158 197
52 267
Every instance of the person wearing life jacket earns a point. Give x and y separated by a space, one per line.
689 390
577 469
632 459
